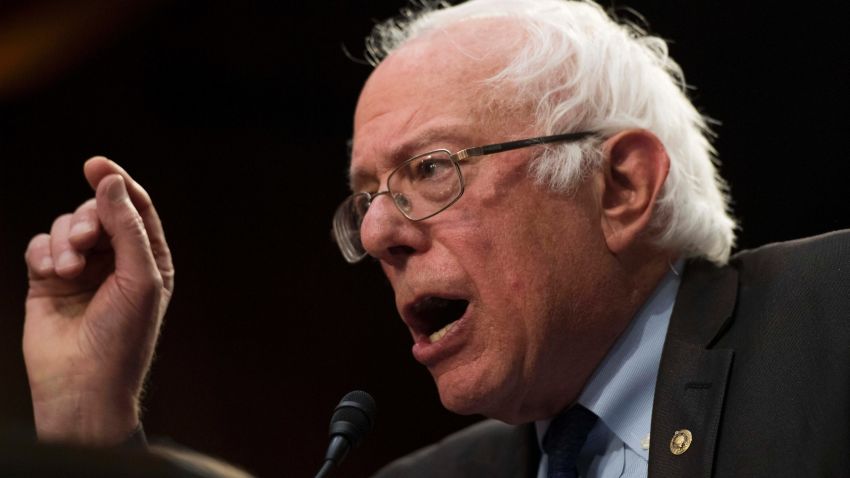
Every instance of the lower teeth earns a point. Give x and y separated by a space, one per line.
436 336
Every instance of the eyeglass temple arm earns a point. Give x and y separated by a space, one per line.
511 145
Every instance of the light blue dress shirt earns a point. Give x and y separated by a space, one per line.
621 390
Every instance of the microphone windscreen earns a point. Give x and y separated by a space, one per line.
354 416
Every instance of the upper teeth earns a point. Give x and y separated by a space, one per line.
436 336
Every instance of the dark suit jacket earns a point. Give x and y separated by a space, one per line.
756 365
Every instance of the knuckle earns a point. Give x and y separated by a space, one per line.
132 221
38 241
87 207
37 246
60 220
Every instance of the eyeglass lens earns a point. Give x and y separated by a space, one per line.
425 184
420 187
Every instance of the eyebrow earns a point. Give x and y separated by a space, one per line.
446 136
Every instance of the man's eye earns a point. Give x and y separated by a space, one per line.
431 169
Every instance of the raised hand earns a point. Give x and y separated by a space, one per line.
99 285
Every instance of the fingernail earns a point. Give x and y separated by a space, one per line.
67 260
46 265
80 228
117 192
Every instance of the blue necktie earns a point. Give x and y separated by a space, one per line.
565 438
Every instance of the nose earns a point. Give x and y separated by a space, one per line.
387 235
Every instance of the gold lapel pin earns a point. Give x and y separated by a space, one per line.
681 441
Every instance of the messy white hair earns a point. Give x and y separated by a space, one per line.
584 71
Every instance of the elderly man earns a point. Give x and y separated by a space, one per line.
542 196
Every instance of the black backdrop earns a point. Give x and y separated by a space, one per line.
235 115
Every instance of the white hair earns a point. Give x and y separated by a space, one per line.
587 72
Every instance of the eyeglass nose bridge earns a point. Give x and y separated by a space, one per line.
372 196
397 199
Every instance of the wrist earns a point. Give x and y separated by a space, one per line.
88 417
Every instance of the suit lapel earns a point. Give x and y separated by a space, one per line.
692 378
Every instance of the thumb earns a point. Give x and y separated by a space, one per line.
134 260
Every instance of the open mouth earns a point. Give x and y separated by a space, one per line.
435 316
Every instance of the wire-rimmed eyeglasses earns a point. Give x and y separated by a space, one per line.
421 187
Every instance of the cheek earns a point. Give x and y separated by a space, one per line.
506 252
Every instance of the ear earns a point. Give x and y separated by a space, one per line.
635 167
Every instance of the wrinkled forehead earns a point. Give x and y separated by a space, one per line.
451 62
437 84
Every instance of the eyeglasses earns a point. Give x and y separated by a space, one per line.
421 187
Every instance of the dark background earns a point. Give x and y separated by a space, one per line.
235 115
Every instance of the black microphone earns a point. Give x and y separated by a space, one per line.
352 419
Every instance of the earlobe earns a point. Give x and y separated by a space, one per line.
634 170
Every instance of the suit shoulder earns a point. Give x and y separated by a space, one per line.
484 443
813 261
797 286
830 246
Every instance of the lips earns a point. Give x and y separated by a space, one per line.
438 325
433 317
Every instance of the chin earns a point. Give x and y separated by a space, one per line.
476 395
